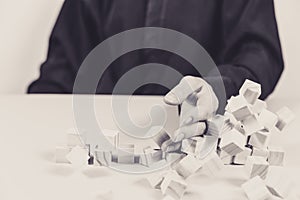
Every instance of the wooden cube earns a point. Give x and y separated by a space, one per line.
256 189
256 166
126 154
260 139
61 153
264 153
192 145
233 142
241 157
173 185
285 116
188 166
267 119
278 184
276 156
251 125
250 90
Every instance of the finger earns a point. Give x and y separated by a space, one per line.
189 131
206 107
186 86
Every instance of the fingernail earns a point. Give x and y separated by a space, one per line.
179 137
171 98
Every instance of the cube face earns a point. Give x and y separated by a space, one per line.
78 156
278 184
255 189
188 166
61 153
256 166
258 106
250 90
242 113
241 157
260 139
126 154
267 119
285 116
251 125
233 142
276 157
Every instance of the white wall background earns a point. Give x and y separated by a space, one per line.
25 26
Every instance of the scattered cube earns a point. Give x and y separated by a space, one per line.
188 166
239 107
250 90
112 136
241 157
192 145
251 125
156 179
61 153
173 185
258 106
267 119
260 139
103 157
276 156
256 189
264 153
256 166
226 158
78 156
233 142
278 184
212 164
285 116
150 156
126 154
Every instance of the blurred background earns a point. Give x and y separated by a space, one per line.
25 27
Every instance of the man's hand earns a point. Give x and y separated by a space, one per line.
198 103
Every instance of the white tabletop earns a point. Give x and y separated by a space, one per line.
32 126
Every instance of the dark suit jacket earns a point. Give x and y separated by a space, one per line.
240 35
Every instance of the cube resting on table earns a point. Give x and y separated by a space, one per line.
256 189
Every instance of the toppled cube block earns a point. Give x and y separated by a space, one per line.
256 166
188 166
61 153
233 142
192 145
230 119
239 107
285 116
260 139
264 153
156 179
126 154
173 185
267 119
278 184
103 157
212 164
251 125
78 156
241 157
256 189
258 106
210 145
150 156
276 156
250 90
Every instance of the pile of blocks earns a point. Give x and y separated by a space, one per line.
239 137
